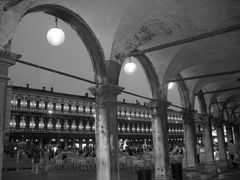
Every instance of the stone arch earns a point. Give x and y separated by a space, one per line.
84 32
202 103
184 93
150 72
152 77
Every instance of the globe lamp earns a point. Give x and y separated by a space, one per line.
130 67
170 85
55 36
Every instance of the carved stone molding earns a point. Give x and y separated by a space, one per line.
9 54
188 116
159 107
106 92
11 3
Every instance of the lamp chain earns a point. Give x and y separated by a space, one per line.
56 21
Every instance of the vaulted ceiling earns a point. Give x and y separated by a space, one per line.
126 26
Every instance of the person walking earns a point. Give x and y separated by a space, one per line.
198 153
36 160
232 150
45 161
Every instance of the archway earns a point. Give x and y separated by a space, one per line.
71 57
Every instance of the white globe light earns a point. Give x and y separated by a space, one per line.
55 36
170 85
130 68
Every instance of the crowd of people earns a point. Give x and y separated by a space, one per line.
40 158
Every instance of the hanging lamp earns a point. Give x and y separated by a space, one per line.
55 36
130 67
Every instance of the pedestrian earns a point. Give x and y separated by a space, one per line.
36 160
198 152
232 150
45 161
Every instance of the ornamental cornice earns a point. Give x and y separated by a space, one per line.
188 115
159 104
9 54
218 122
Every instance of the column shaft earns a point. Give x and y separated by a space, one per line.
3 84
210 168
236 134
208 141
190 171
190 139
7 59
229 133
106 132
160 141
221 145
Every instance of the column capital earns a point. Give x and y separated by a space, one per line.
8 55
206 119
188 115
159 103
229 124
7 59
159 107
106 92
218 122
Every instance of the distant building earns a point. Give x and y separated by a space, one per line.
63 120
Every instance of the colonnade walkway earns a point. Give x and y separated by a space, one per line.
231 174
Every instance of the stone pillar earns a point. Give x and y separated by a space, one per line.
191 170
229 132
106 132
73 142
7 59
229 138
210 168
208 141
223 163
41 142
236 134
65 144
160 140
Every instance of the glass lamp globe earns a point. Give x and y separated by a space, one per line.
130 68
55 36
170 85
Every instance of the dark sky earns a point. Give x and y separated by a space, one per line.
30 41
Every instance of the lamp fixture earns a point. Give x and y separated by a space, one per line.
55 36
130 67
170 85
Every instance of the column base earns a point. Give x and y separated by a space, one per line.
191 174
209 171
222 166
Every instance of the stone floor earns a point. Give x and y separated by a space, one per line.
61 175
232 174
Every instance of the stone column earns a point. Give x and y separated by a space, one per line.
160 140
229 138
191 169
41 142
229 132
65 143
7 59
106 132
208 141
236 134
223 163
210 168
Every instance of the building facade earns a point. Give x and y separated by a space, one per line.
68 121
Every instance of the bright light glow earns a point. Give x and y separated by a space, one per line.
55 36
170 85
130 68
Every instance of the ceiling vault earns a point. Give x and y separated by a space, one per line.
187 40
